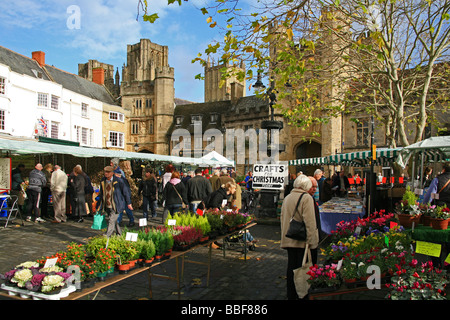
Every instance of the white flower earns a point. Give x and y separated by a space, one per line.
53 280
360 264
28 264
22 276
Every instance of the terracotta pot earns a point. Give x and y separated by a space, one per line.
123 268
407 220
426 221
439 224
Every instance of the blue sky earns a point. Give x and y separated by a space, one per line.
106 27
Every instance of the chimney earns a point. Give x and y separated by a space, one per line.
39 56
98 76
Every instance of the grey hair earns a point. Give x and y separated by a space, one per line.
302 182
318 171
115 161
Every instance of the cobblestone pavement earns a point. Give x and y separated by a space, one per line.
260 277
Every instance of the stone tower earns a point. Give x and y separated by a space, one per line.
218 90
147 91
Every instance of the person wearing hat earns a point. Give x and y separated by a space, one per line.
113 199
118 172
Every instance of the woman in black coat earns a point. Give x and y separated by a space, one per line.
217 197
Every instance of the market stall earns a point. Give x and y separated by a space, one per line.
431 150
340 209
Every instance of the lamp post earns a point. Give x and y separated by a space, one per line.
136 147
269 197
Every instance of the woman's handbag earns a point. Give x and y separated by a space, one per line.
183 205
297 229
300 275
99 222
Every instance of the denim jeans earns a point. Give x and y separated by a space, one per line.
146 203
129 214
193 206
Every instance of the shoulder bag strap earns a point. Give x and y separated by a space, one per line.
444 186
177 193
296 207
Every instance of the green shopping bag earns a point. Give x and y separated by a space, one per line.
99 222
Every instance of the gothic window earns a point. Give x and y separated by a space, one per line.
150 127
362 132
148 103
134 127
138 104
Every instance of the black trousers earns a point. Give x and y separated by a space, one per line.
295 259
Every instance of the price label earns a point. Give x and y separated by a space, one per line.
418 191
50 262
428 248
435 196
171 222
131 236
142 222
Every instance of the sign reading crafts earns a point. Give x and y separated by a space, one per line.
269 176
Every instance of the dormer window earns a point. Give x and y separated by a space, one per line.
214 118
196 118
178 120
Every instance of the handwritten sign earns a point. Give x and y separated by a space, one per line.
131 236
142 222
50 262
428 248
171 222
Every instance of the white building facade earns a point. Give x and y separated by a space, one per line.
40 100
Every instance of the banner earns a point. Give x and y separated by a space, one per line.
270 176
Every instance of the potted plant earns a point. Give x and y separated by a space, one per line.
408 211
427 213
324 278
148 252
440 218
417 281
349 271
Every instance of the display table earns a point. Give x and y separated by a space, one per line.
428 234
340 209
175 256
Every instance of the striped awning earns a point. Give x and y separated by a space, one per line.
385 157
308 161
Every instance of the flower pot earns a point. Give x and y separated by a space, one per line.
102 275
123 268
148 262
426 221
439 224
158 258
407 220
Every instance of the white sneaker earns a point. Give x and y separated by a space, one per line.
28 218
39 220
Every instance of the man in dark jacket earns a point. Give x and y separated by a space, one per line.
37 181
113 199
198 188
148 188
